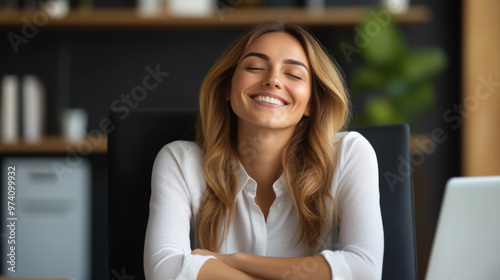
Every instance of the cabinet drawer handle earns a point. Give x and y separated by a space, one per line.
40 176
45 206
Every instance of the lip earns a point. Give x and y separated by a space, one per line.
269 94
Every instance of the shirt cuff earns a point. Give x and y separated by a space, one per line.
192 266
338 266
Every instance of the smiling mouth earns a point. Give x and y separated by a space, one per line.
270 100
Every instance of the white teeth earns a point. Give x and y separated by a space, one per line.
268 99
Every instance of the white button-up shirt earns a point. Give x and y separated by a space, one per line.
353 251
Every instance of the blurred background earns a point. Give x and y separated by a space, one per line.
431 64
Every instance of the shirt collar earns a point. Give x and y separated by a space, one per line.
245 181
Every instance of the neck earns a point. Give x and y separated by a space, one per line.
260 151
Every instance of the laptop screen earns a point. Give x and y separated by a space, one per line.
467 240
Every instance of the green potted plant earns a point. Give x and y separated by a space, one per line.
395 81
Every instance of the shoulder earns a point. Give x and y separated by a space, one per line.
352 142
354 154
180 163
181 147
356 170
182 153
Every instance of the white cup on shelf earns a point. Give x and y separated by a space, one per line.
56 8
188 8
396 6
74 124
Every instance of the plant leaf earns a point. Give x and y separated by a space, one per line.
422 63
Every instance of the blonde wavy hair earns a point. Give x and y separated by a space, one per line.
308 160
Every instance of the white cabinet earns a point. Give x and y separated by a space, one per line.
50 221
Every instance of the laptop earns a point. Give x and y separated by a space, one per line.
467 240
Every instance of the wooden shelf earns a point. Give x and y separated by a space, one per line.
58 145
131 18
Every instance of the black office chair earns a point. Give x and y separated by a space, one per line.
137 138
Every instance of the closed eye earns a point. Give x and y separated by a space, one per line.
294 76
254 68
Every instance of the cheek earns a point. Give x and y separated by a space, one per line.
303 93
235 84
243 80
239 83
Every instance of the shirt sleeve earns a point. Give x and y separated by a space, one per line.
167 250
361 237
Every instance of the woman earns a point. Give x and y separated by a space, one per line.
272 189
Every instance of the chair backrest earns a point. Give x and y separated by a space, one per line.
391 144
136 138
133 143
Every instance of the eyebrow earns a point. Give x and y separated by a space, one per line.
286 61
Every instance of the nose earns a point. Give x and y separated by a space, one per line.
272 80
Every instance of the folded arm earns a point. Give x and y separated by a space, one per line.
217 269
313 267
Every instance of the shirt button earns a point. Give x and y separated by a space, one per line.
279 205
